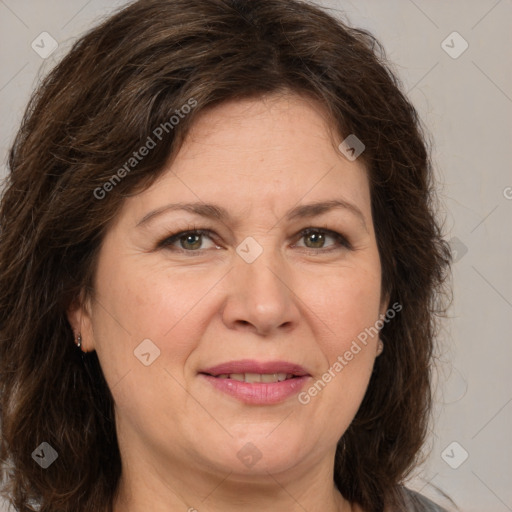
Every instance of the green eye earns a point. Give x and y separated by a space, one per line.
318 239
315 239
189 241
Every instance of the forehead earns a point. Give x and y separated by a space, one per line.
275 129
259 155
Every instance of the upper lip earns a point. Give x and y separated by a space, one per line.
250 366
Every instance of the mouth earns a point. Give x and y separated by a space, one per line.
257 383
251 367
256 377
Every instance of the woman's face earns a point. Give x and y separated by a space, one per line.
186 327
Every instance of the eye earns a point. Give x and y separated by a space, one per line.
316 239
189 241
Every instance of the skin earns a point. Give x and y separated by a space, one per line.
301 300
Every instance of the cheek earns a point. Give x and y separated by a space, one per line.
141 298
144 298
137 303
348 302
348 310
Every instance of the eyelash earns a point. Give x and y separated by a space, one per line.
341 241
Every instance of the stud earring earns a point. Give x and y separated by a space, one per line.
79 340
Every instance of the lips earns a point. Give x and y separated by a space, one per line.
257 383
256 377
249 367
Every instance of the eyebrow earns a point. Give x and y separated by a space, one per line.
213 211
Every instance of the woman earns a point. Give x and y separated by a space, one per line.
220 269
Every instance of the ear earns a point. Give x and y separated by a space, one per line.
384 306
384 303
79 317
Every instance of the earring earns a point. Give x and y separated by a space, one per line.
380 347
79 340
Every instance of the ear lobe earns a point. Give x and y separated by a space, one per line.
78 314
74 313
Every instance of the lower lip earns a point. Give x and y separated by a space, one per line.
259 393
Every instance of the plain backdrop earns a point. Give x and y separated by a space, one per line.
464 96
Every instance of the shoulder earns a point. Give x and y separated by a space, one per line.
416 502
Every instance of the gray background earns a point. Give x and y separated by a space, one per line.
466 104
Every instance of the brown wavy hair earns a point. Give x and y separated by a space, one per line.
118 83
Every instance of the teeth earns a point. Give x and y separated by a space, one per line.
256 377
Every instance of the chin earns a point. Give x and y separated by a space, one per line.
261 452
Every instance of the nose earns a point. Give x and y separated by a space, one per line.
260 297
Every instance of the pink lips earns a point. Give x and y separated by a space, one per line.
250 366
257 393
